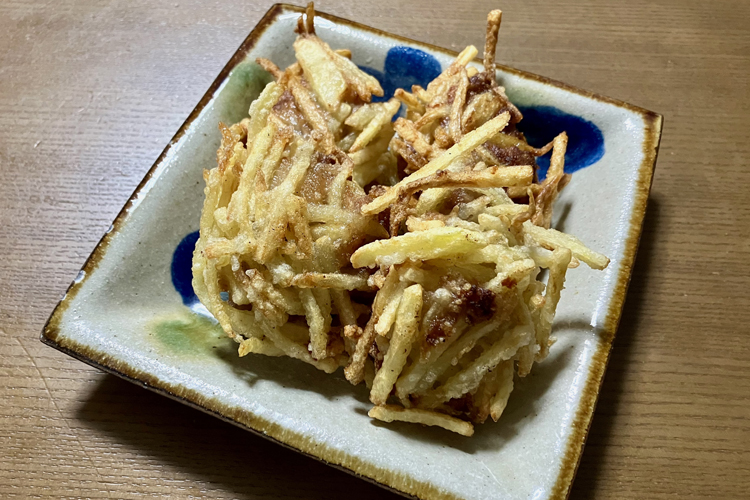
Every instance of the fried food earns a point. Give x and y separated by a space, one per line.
407 252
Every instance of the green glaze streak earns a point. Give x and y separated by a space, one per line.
243 86
188 334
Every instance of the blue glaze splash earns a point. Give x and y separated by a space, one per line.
404 67
182 274
541 124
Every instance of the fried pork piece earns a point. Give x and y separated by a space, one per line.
406 251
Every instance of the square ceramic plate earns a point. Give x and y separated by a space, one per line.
132 312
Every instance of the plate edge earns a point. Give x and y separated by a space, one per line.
585 411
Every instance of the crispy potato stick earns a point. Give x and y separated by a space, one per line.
511 274
275 228
271 298
221 248
206 285
383 116
552 184
366 173
362 84
421 380
437 243
343 304
321 71
409 99
295 350
561 259
271 162
536 304
413 136
470 377
372 151
462 59
330 280
355 371
430 116
506 141
404 333
553 239
416 224
413 373
508 210
526 356
390 310
337 216
297 221
459 99
491 223
238 208
316 321
261 107
480 398
491 254
543 258
285 338
270 67
465 57
505 387
469 142
430 200
557 161
259 346
490 177
493 26
391 413
366 113
314 115
309 19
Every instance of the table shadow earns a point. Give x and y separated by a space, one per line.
592 465
213 454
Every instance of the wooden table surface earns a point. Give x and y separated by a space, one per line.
90 93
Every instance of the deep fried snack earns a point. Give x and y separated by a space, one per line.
408 251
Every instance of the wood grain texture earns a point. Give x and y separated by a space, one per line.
91 91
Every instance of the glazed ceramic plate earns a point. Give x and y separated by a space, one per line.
132 311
